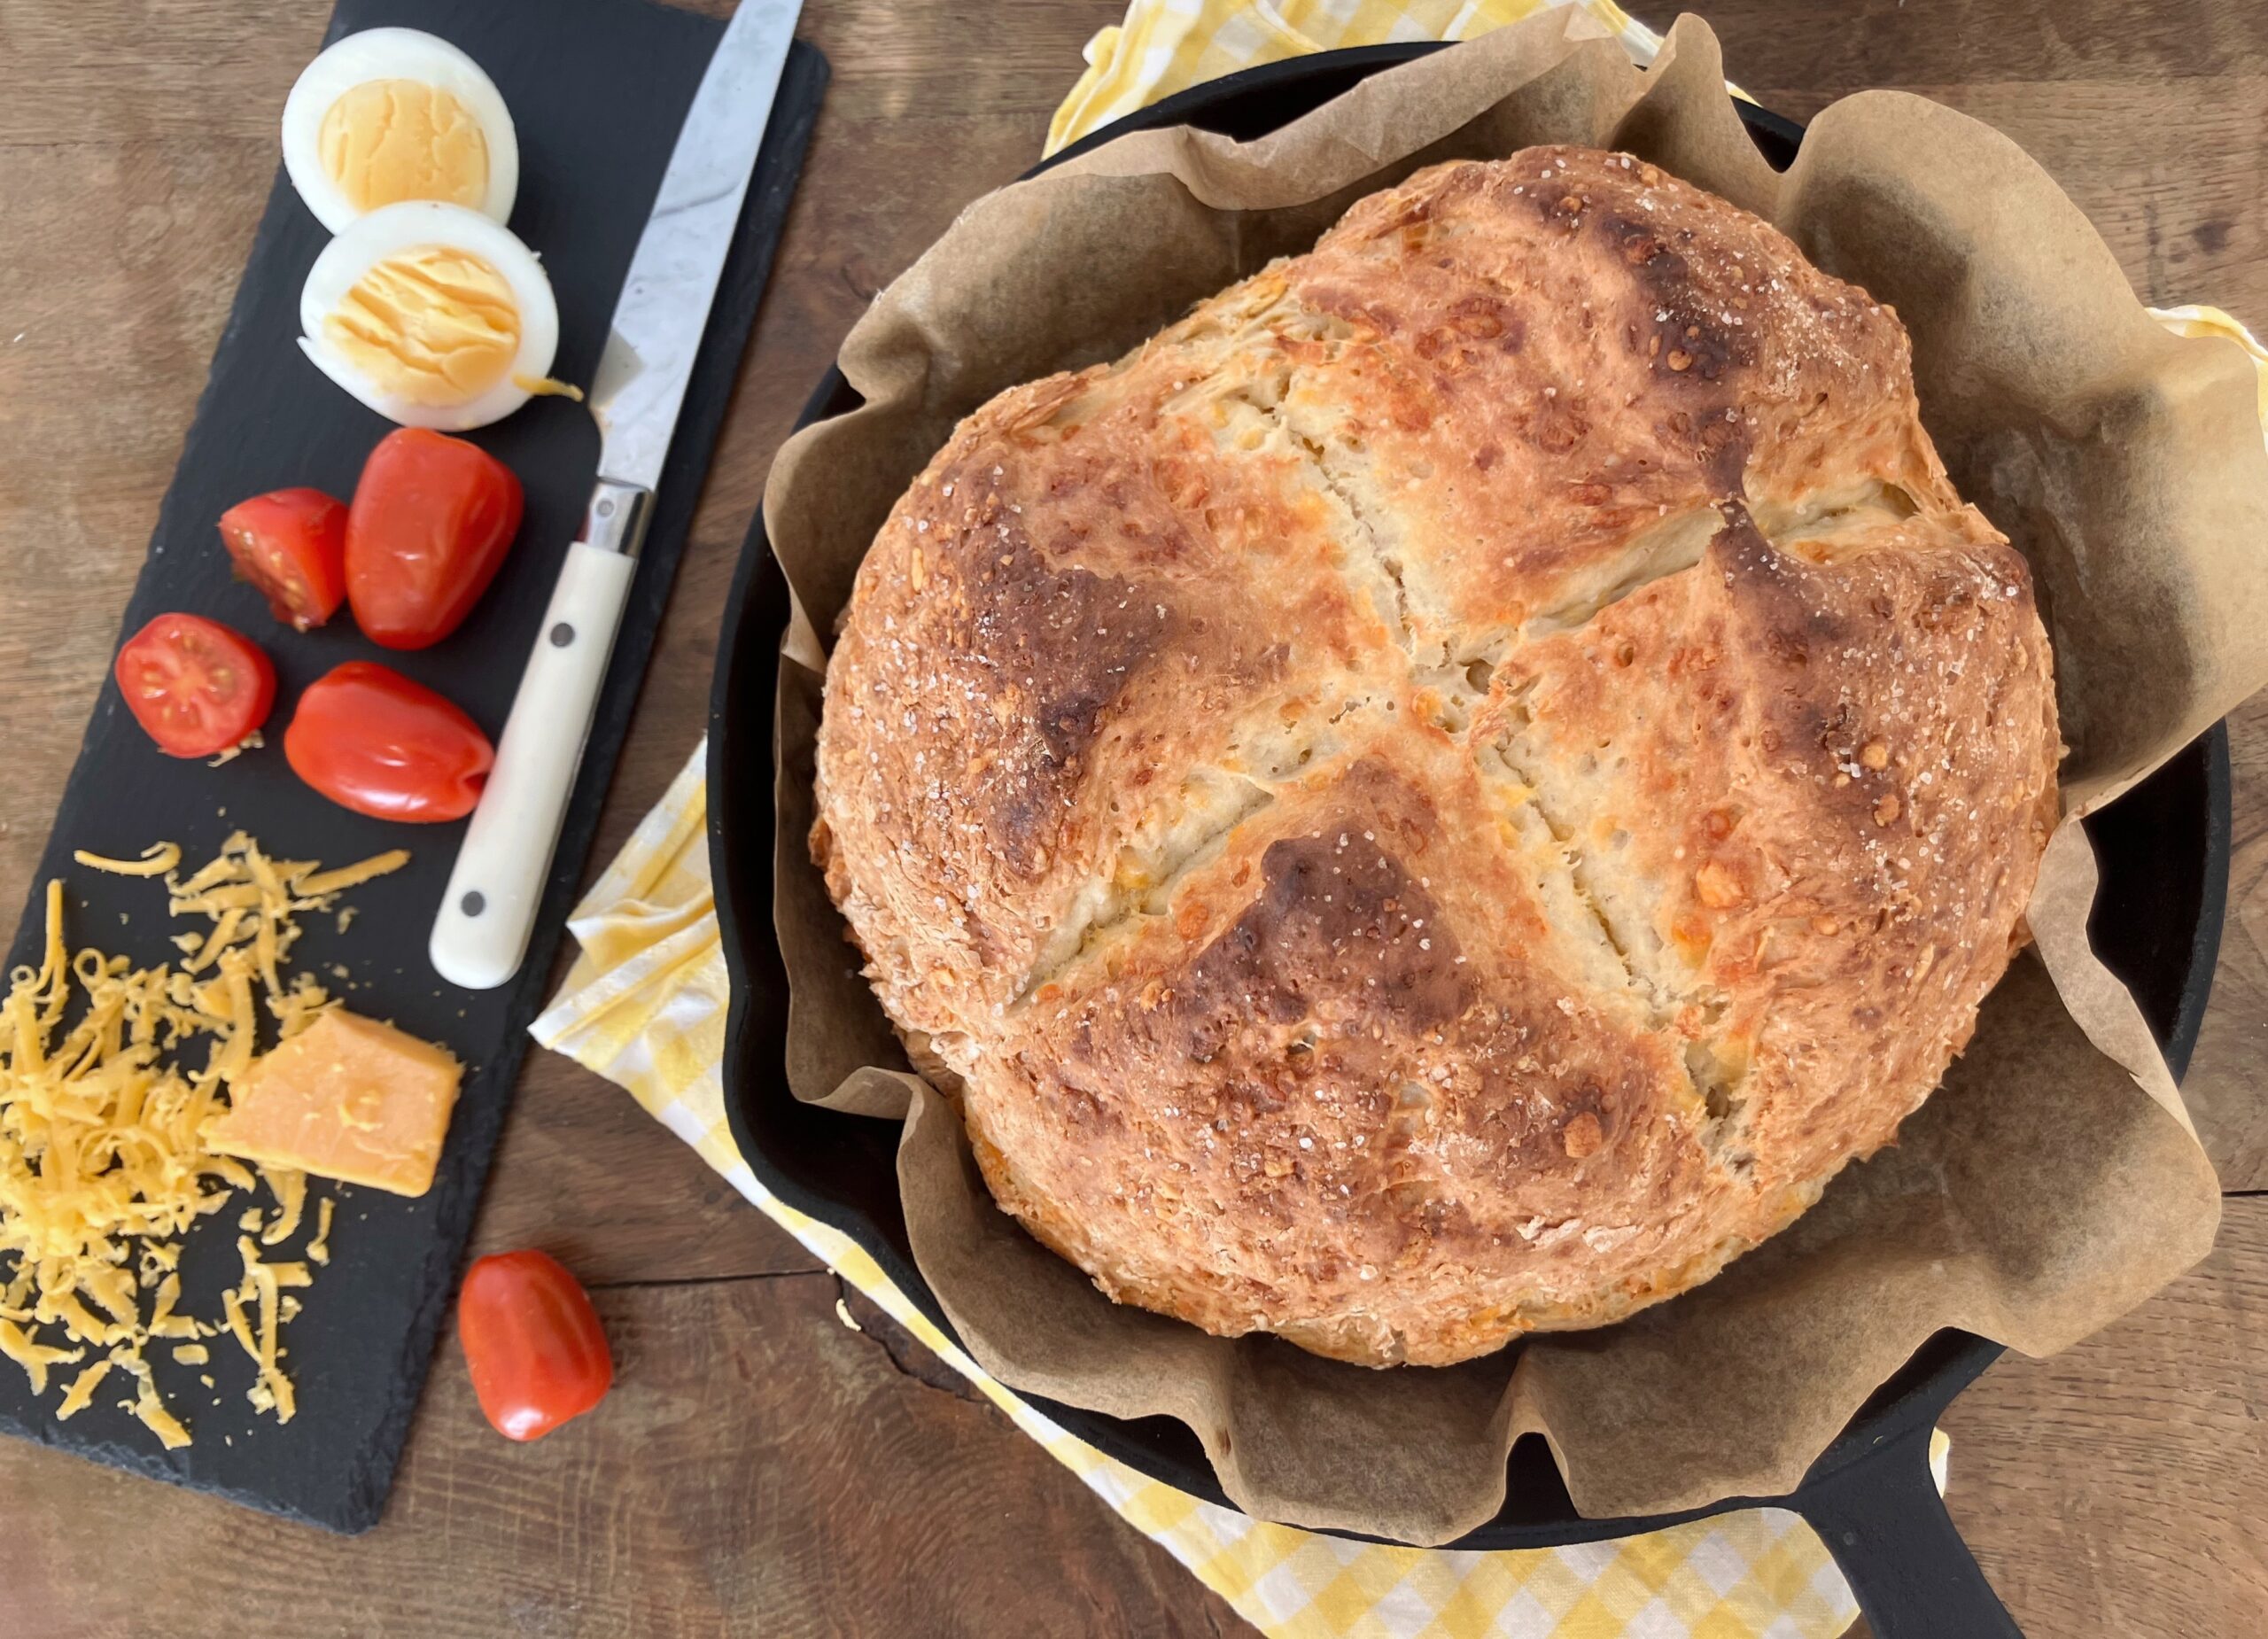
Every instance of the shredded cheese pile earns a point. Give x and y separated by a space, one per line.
103 1167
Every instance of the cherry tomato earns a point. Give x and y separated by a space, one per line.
432 518
537 1353
370 740
291 545
196 687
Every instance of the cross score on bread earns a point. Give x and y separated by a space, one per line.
1448 793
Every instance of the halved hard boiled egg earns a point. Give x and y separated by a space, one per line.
391 114
431 315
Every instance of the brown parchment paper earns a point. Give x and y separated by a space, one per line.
2052 1182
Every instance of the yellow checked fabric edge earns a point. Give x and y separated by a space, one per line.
1163 46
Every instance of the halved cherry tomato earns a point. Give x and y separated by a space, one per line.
291 545
370 740
432 518
196 687
536 1350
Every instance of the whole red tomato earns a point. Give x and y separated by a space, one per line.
536 1350
196 686
291 545
372 741
432 519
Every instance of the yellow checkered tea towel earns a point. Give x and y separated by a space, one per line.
1167 45
645 1007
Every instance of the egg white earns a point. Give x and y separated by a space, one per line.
410 225
393 54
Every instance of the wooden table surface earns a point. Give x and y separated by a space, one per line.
762 1468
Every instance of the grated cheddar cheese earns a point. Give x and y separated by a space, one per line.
104 1110
156 860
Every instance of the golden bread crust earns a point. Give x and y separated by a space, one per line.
1450 791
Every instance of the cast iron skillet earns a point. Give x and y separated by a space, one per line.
2164 855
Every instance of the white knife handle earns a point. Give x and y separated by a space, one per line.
486 918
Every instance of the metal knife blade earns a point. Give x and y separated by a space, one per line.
664 307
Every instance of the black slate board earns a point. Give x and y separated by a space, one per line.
597 89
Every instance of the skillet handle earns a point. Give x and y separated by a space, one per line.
1884 1522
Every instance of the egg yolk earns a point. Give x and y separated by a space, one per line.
429 325
389 140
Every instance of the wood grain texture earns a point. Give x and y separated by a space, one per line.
762 1468
2122 1486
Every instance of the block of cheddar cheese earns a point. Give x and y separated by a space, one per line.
347 1098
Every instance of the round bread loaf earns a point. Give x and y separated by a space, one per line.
1448 793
